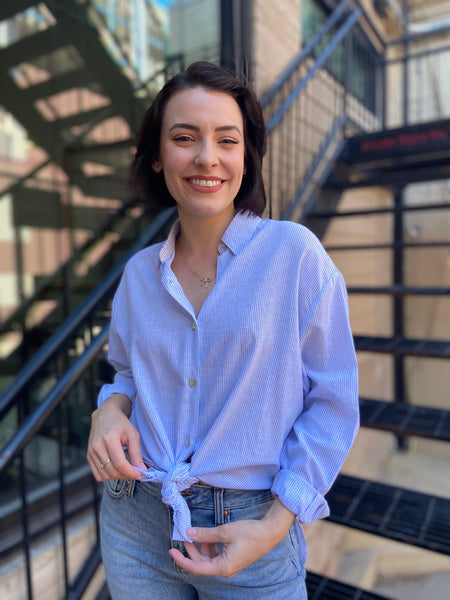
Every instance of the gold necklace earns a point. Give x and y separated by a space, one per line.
204 281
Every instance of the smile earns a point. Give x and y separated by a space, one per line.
205 182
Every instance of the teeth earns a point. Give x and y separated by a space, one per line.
206 182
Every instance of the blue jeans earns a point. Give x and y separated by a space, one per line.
136 529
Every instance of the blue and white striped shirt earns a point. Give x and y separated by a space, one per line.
257 392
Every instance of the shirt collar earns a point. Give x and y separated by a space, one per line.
239 232
167 251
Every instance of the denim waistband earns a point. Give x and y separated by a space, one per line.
205 495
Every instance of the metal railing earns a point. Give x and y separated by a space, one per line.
417 76
334 81
346 78
48 405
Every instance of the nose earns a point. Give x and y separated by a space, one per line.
206 156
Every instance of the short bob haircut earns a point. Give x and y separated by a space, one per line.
251 195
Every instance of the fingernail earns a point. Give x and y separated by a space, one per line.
191 531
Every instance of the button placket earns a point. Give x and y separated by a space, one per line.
190 431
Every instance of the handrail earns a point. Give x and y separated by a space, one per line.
305 53
283 103
318 63
420 35
340 122
59 339
36 419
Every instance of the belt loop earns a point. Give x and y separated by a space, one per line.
218 506
131 484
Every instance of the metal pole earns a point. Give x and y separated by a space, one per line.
405 63
398 306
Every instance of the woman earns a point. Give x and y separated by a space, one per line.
236 387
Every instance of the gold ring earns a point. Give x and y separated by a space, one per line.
105 463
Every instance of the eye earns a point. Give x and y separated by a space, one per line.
182 138
227 141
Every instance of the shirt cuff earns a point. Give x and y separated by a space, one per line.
299 497
109 389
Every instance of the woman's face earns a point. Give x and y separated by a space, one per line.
202 151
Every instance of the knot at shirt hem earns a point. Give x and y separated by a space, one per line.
173 482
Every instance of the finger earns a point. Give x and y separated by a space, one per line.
196 566
120 467
102 468
110 462
134 452
199 552
209 535
95 467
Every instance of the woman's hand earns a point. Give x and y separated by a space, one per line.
243 543
111 430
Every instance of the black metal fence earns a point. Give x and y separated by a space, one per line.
44 480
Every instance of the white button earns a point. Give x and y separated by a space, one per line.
187 443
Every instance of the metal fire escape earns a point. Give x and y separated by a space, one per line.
357 147
67 81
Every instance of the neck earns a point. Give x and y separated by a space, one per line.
201 236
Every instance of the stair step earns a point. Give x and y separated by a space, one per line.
117 155
388 246
104 186
31 47
394 157
399 514
318 586
399 346
83 284
403 419
40 208
80 77
378 211
324 588
85 117
399 290
9 8
398 147
36 208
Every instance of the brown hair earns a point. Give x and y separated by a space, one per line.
251 195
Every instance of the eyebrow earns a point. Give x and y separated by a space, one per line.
195 128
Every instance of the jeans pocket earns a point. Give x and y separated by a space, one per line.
117 488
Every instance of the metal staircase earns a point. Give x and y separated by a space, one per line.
62 83
359 149
308 191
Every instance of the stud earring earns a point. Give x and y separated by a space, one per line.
156 168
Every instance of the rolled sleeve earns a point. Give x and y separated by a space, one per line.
326 428
300 497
